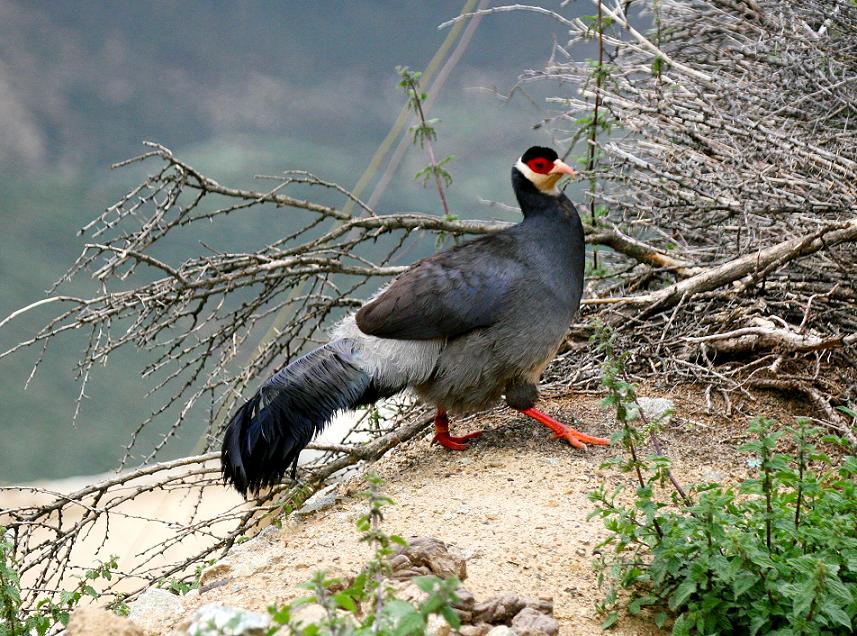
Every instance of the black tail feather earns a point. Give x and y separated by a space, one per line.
266 435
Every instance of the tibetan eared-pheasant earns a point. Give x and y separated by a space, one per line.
461 329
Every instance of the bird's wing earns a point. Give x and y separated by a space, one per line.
445 295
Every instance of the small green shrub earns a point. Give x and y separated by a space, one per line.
48 613
367 604
776 555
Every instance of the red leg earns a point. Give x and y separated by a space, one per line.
442 436
575 438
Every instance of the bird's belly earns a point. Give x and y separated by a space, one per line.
473 371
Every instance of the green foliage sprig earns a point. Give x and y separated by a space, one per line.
367 605
181 586
424 134
48 613
776 555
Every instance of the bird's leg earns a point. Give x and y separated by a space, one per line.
575 437
442 436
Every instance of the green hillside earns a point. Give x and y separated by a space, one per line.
236 89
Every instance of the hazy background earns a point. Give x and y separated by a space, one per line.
236 89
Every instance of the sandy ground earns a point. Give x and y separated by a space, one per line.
514 505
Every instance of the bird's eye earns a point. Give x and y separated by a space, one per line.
542 166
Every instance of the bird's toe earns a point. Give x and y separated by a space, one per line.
452 442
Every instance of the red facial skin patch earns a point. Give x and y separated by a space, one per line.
540 165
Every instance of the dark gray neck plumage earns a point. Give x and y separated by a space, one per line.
530 199
554 233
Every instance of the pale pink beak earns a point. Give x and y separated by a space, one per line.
560 167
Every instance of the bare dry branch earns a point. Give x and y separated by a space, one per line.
727 170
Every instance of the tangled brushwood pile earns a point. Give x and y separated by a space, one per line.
732 154
721 161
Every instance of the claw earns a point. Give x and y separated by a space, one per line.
574 437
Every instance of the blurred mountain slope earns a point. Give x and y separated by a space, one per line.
237 89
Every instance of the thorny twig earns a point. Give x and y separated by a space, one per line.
729 182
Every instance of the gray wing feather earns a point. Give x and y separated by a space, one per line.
446 295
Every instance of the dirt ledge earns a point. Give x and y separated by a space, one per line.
514 506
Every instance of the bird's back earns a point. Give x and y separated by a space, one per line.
546 251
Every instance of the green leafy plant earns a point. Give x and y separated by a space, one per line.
48 613
179 586
367 604
10 592
424 134
776 554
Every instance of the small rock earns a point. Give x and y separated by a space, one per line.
221 620
214 574
529 622
466 601
482 629
501 630
498 609
309 614
543 604
154 606
323 499
269 534
437 626
407 590
464 617
428 555
89 619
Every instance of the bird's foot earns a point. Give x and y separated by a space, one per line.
574 437
454 443
442 436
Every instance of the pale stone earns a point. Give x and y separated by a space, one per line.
529 622
655 408
307 615
437 626
89 620
221 620
154 607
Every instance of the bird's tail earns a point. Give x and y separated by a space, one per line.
266 435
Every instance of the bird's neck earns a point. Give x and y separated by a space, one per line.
537 204
554 241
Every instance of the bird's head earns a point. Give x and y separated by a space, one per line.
543 168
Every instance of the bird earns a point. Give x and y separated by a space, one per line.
462 329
